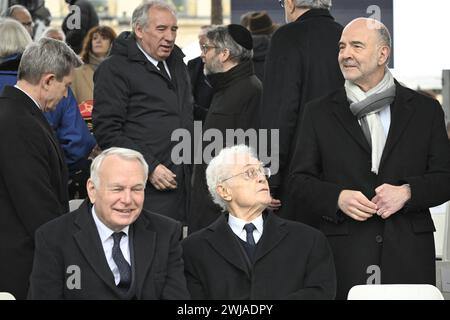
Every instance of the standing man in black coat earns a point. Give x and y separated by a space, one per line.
301 65
237 94
87 19
142 95
371 158
33 184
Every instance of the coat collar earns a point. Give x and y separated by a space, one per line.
223 80
88 240
401 113
314 13
224 241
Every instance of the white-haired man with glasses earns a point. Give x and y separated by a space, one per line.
249 253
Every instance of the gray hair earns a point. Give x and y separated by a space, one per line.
123 153
220 37
140 14
47 56
313 4
14 38
49 30
220 168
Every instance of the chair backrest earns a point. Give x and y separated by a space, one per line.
6 296
395 292
74 204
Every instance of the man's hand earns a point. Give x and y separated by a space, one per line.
162 178
356 205
390 199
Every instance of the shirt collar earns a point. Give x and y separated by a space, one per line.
103 230
35 102
149 58
237 225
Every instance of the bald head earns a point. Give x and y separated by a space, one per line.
364 51
374 27
21 14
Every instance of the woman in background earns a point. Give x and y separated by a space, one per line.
96 46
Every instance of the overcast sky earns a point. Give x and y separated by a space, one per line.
422 41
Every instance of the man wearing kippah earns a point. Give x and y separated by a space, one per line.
227 54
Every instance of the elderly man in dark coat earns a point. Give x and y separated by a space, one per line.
142 95
249 253
372 157
301 65
237 92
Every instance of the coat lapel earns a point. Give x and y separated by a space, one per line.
224 242
272 235
401 115
350 123
144 249
90 245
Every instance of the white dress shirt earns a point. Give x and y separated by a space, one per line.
237 225
105 234
154 61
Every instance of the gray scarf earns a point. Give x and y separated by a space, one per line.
366 106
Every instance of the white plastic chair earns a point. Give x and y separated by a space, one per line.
395 292
6 296
74 204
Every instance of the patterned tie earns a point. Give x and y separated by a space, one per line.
163 70
122 264
249 228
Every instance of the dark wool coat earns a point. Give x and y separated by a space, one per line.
235 105
333 155
136 107
33 185
301 65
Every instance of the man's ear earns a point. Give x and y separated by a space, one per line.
47 80
384 53
224 55
138 31
224 192
90 187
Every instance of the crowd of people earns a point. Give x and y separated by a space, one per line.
86 113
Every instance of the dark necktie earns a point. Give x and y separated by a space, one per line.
249 228
122 264
162 69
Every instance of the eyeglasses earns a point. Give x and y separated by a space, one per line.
205 47
252 173
281 2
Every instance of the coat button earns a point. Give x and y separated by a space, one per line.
379 239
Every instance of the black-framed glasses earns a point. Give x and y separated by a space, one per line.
251 173
281 2
205 47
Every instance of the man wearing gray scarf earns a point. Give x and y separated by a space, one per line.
371 158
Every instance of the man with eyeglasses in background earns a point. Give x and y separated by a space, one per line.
301 65
249 253
227 54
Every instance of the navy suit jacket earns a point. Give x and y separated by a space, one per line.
73 240
292 261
